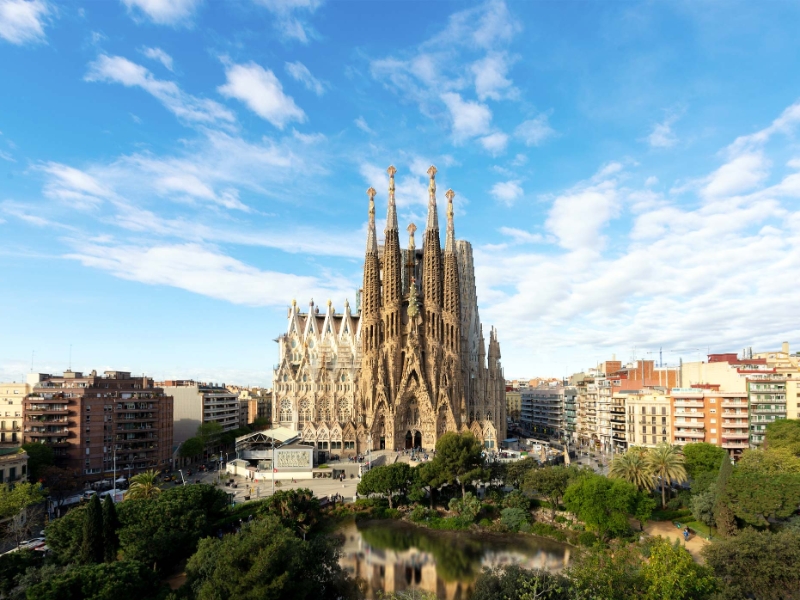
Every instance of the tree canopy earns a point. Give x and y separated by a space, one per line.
39 457
667 465
388 480
209 433
549 482
459 459
701 458
17 498
127 580
92 544
602 503
783 433
633 467
144 486
192 447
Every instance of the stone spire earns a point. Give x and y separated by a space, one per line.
371 297
450 240
391 216
392 263
432 263
372 242
452 295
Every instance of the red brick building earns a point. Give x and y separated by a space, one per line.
88 419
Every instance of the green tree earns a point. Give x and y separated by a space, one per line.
65 535
597 574
603 504
468 506
260 424
125 580
427 475
666 463
459 459
643 507
549 482
59 483
701 458
769 461
758 498
702 506
513 518
19 504
163 531
785 434
515 472
757 564
39 457
515 583
13 565
191 448
92 544
723 515
209 433
671 573
294 508
110 526
516 499
144 486
266 560
634 468
388 480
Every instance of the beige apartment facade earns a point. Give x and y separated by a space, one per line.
11 401
198 403
649 418
13 465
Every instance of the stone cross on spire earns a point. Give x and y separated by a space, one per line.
372 241
450 244
391 218
433 218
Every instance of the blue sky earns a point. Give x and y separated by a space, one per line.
173 173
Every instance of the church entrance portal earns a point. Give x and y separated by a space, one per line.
413 440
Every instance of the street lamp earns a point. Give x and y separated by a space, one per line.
182 478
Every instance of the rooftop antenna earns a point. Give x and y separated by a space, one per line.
70 357
33 353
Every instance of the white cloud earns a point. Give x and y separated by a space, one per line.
507 192
290 17
662 135
362 125
7 156
73 187
535 131
164 12
577 216
490 78
203 270
186 107
261 91
519 160
520 236
159 55
300 72
651 181
469 119
23 21
742 174
784 124
495 142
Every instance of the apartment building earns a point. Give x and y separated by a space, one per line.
513 403
727 371
11 400
197 403
767 400
649 417
13 465
254 403
709 415
90 420
544 409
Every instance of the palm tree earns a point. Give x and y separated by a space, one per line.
634 468
666 462
144 486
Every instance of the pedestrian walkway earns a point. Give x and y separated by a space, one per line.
667 529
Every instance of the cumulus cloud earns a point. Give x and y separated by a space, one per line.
116 69
521 236
261 92
507 192
300 72
469 119
159 55
203 270
163 12
490 78
662 135
23 21
361 123
495 142
535 131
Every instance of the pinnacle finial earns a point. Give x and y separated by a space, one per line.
391 216
449 245
433 221
411 229
372 243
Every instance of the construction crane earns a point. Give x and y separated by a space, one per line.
660 358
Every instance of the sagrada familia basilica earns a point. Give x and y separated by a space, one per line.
409 364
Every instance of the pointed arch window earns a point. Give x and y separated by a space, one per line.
286 411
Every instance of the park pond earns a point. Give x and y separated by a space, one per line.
393 556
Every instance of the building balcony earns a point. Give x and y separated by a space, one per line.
729 435
46 410
45 432
735 445
690 434
680 402
734 404
768 411
699 414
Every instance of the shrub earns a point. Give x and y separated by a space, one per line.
587 538
674 504
517 499
420 513
468 507
513 518
485 523
560 519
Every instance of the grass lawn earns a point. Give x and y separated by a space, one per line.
701 528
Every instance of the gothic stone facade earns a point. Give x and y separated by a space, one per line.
409 365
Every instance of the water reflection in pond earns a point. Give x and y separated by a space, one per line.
392 556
